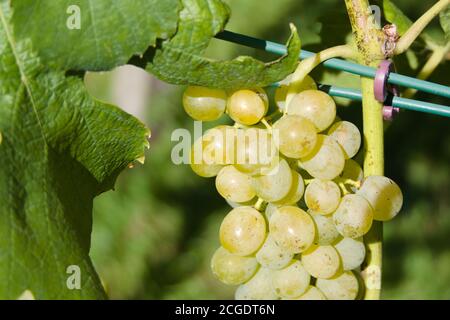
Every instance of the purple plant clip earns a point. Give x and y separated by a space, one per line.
381 88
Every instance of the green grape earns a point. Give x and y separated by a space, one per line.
353 218
322 196
204 104
321 261
271 208
352 252
312 293
348 137
326 232
275 185
314 105
234 185
292 229
326 161
297 136
243 231
295 194
256 151
342 287
291 281
257 288
287 87
232 269
352 171
240 204
247 107
272 256
384 195
198 163
221 146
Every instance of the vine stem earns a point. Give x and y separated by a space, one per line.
414 31
369 40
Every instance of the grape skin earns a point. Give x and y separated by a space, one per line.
287 87
348 137
326 161
232 269
321 261
247 107
243 231
292 229
384 195
257 288
352 252
326 232
297 136
353 218
352 171
295 194
198 163
342 287
314 105
272 256
204 104
322 196
276 185
291 281
234 185
312 293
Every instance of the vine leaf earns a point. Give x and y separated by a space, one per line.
180 60
110 31
59 149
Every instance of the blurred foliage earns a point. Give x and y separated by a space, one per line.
154 236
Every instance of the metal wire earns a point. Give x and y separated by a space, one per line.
394 78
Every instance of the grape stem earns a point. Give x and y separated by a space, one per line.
258 204
369 41
307 65
417 27
266 124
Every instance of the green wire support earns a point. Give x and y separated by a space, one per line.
394 78
398 102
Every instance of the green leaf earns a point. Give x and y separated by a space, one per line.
110 31
180 60
394 15
59 149
444 18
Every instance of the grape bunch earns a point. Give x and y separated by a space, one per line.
300 203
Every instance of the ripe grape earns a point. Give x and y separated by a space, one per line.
326 232
257 288
247 107
352 171
256 151
348 137
287 87
321 261
221 145
243 231
314 105
291 281
326 161
312 293
297 136
198 163
353 218
384 195
275 185
295 194
234 185
204 104
232 269
352 252
272 256
270 210
292 229
322 196
342 287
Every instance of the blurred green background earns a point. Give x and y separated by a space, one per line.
153 237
